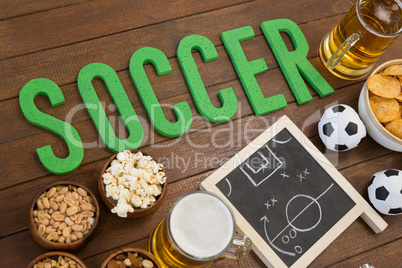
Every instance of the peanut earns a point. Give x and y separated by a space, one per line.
53 236
39 204
51 192
86 206
77 228
63 207
71 210
68 221
45 202
42 229
82 192
69 201
59 198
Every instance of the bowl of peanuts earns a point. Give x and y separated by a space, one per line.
56 259
130 257
132 184
380 105
63 216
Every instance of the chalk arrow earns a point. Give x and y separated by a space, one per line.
265 219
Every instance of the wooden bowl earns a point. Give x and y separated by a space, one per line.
56 253
51 245
143 253
138 212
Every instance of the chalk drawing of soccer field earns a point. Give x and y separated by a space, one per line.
287 197
294 230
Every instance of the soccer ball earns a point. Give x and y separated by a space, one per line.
385 191
340 128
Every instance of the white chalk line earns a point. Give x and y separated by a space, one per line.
230 187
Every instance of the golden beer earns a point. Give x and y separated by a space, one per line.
199 229
350 50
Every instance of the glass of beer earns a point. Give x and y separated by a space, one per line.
350 50
200 229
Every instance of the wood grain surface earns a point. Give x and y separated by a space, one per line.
55 39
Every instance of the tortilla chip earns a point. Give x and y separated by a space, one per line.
384 86
384 109
395 127
393 70
399 97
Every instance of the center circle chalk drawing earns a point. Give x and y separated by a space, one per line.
294 204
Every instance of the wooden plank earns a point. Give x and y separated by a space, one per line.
16 172
10 8
77 23
87 174
20 248
220 71
63 64
13 165
216 72
387 255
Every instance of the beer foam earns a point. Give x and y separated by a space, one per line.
382 13
201 225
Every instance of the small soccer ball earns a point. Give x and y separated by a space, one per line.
385 191
340 128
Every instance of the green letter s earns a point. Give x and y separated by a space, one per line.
28 93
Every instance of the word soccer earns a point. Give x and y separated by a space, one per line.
294 65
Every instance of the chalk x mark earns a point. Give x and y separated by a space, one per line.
230 187
301 177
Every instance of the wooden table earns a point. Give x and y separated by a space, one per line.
55 39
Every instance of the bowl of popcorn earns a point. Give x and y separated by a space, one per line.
380 105
132 184
63 216
56 259
130 257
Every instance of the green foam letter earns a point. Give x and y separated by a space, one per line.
247 70
97 113
28 93
194 81
294 63
151 103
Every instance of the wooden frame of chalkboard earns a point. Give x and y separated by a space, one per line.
287 197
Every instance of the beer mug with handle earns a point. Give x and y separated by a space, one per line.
350 50
199 230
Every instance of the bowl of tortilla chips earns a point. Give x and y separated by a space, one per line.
380 105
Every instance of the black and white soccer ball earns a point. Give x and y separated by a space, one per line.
385 191
340 128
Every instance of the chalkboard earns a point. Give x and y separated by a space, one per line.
287 197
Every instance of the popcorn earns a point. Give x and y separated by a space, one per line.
133 181
136 201
108 179
122 208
